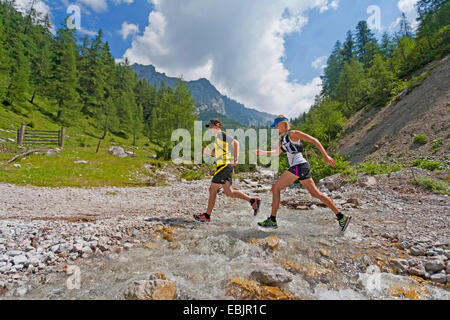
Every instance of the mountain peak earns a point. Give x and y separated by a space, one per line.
207 98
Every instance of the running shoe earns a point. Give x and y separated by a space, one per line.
343 224
268 224
256 203
202 218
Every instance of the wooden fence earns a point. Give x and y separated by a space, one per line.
41 137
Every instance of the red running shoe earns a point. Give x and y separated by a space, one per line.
256 203
202 218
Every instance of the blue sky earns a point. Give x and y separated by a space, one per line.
245 48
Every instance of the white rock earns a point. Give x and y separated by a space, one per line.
21 291
14 253
53 152
5 269
16 165
87 251
81 162
22 259
65 247
78 247
34 261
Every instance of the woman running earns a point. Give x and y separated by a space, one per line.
226 152
291 143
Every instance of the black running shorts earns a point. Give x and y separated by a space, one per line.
223 174
303 171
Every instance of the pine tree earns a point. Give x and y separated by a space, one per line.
332 119
386 46
349 47
406 56
382 82
433 16
366 44
350 88
125 98
4 61
103 104
405 26
146 96
185 110
41 58
20 73
65 76
424 7
333 70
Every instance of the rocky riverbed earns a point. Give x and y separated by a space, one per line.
398 230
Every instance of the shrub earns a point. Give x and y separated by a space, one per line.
420 139
191 175
82 141
319 170
372 167
417 80
432 185
436 145
427 164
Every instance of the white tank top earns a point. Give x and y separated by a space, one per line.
293 150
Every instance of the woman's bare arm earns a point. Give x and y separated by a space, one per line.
296 135
275 152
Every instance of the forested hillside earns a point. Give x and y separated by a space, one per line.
75 82
365 74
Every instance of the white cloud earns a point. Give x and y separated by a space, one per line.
332 5
320 62
41 8
96 5
128 29
238 45
25 5
409 8
102 5
124 1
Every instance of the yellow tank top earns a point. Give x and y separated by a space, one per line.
222 148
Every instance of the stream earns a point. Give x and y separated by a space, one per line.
202 259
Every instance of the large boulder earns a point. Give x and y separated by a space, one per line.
367 181
118 152
156 288
401 266
332 183
434 265
271 276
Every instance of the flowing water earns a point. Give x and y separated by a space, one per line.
202 259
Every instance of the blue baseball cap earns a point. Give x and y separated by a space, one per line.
278 120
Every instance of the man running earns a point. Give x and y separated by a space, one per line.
291 143
226 152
